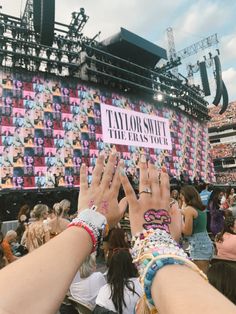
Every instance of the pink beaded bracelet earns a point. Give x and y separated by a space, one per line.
90 232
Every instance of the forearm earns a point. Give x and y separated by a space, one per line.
53 267
177 290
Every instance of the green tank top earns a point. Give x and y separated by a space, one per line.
200 223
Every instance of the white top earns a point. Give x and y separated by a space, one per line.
104 297
86 290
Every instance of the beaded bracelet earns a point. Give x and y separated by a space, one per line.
94 223
153 242
152 250
90 231
156 264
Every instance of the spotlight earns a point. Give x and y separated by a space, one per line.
37 51
158 97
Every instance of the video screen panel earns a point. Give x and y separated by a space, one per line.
50 126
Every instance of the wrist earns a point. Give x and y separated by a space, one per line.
83 237
91 231
153 250
93 222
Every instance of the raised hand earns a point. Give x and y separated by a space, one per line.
151 209
103 191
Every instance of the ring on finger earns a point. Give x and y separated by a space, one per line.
146 190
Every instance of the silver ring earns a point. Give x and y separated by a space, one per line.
146 190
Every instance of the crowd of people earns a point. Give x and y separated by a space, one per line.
227 118
203 224
226 177
223 150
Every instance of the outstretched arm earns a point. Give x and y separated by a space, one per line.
174 289
178 289
38 282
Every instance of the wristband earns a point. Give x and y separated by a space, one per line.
93 222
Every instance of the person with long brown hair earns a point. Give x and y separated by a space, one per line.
195 227
216 211
123 288
117 240
226 240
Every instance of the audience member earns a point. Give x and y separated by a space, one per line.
24 213
216 211
117 240
57 224
123 289
51 213
21 227
65 204
37 233
230 193
3 259
226 240
174 194
10 237
87 283
195 227
205 194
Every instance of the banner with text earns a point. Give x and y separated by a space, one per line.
126 127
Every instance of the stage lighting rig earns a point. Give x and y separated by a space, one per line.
78 21
169 65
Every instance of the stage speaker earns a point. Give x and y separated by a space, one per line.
204 78
225 99
44 18
219 82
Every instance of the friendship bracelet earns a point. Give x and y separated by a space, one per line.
89 231
152 250
156 264
94 222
